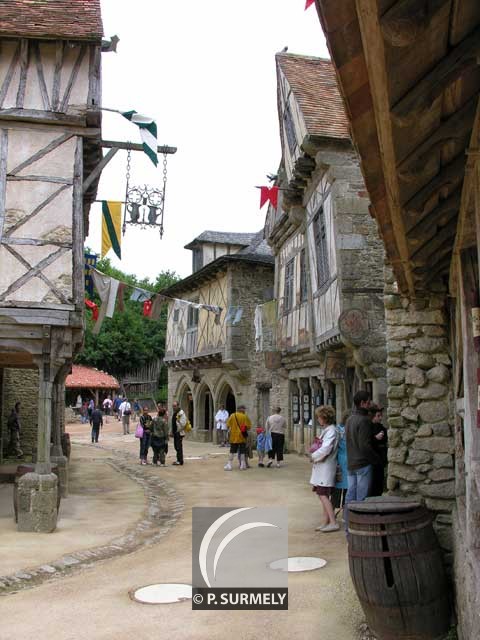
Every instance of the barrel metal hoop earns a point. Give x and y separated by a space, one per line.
390 554
390 532
356 518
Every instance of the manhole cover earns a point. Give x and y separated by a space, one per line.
162 593
298 563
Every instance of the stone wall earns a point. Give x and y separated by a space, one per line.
420 420
21 385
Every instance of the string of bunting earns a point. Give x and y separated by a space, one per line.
111 292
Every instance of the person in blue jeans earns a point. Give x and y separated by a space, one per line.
361 454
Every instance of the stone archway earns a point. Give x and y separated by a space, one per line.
185 400
226 397
205 413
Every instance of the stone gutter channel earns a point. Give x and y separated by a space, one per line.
164 507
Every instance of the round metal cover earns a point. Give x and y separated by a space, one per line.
162 593
384 504
297 564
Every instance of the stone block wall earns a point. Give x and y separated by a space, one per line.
420 417
21 385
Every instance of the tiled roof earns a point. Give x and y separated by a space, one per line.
314 86
87 377
72 19
222 237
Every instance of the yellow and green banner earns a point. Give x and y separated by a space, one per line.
111 227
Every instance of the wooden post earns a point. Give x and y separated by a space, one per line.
45 396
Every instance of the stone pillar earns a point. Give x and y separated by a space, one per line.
420 416
37 492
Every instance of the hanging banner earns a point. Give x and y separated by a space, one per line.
309 3
111 227
269 194
148 133
90 262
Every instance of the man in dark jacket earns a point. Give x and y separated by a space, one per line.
96 421
361 455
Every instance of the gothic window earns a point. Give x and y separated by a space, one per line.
289 128
295 409
321 249
289 285
303 277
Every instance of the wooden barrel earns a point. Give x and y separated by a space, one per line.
22 469
397 569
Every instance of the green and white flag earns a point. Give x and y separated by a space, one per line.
148 132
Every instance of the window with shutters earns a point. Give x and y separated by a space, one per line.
192 318
321 248
289 285
303 277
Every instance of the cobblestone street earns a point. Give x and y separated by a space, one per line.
139 528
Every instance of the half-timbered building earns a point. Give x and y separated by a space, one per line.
49 140
409 75
213 359
330 328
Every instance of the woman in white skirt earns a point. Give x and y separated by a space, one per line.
324 461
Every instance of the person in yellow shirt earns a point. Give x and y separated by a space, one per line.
238 425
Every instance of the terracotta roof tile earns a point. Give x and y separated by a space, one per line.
314 86
65 19
87 377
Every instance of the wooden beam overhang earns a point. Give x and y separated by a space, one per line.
373 47
410 126
460 59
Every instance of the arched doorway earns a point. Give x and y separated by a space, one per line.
226 398
185 400
205 412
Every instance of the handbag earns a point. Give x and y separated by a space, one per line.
139 431
316 444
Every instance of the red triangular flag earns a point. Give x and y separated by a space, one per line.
309 3
274 196
264 195
269 194
147 308
93 307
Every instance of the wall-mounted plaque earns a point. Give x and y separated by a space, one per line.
353 325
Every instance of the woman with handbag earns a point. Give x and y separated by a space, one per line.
324 460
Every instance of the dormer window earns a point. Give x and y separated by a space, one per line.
197 258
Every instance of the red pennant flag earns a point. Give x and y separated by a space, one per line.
269 194
147 308
309 3
93 307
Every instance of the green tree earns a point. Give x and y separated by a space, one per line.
128 340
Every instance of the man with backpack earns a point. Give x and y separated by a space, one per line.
238 425
179 422
125 411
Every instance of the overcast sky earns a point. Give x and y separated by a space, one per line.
205 71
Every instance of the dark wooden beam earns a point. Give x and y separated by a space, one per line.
454 128
444 236
448 179
418 226
407 20
430 87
